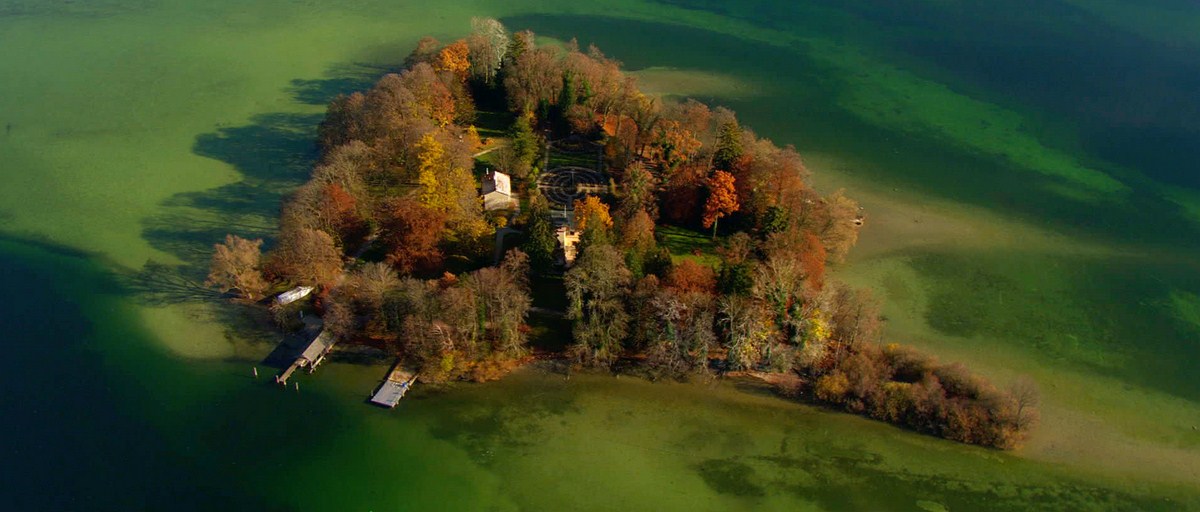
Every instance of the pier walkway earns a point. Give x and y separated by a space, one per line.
393 388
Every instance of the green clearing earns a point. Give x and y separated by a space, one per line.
493 124
564 159
687 244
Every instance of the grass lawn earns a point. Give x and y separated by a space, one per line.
560 159
687 244
493 124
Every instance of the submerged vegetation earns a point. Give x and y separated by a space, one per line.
392 230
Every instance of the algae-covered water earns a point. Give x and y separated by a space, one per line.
1028 169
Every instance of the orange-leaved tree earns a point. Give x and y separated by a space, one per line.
722 199
690 277
454 58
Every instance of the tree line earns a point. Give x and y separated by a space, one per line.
394 198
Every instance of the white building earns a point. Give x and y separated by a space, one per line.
497 192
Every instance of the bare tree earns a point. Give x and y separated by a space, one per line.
1025 397
488 45
235 267
840 231
340 318
747 329
372 281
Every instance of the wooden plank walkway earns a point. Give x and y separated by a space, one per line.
394 387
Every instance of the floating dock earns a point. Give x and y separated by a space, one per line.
393 388
312 356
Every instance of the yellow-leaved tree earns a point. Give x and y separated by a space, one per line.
432 172
591 211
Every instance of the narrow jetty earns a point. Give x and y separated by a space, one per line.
312 356
393 388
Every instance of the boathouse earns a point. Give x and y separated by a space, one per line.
314 353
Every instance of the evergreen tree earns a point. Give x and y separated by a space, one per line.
729 146
539 242
567 97
524 143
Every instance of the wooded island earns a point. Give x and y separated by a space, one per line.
500 198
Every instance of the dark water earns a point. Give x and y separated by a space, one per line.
96 421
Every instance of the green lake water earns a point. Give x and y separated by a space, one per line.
1029 171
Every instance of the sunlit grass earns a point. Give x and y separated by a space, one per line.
686 244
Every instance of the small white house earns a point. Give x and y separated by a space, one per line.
293 295
497 191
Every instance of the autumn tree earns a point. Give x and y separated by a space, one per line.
446 185
803 246
840 230
780 283
596 295
690 277
747 330
855 315
412 233
235 267
503 293
345 120
454 58
307 256
722 199
637 233
683 194
425 51
532 75
432 174
592 212
372 281
681 344
339 318
348 166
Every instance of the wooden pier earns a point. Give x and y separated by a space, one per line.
393 388
312 356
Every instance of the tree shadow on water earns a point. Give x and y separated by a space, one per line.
343 79
274 154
